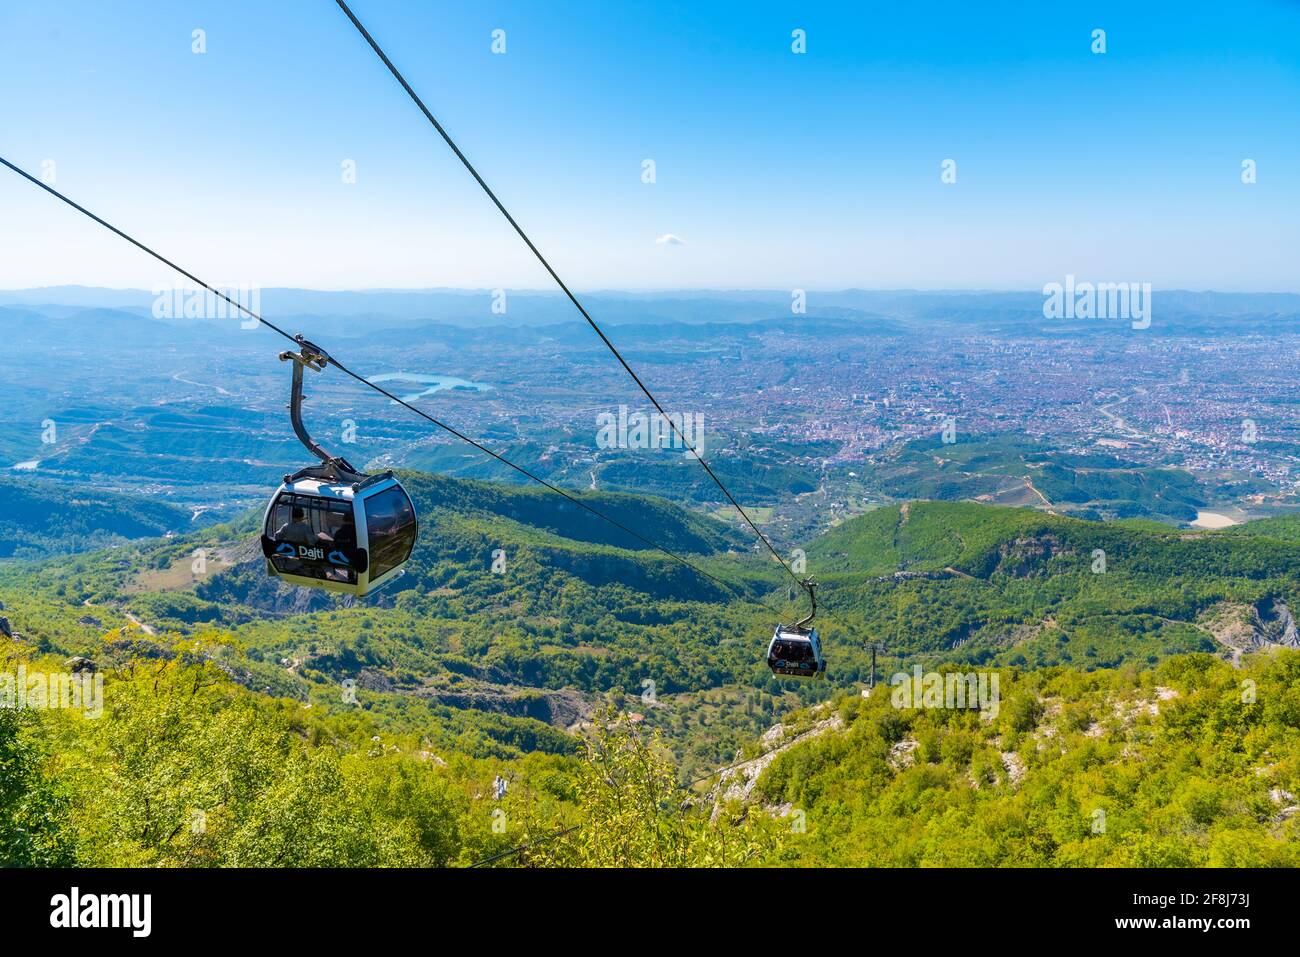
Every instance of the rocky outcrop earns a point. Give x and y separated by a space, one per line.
1276 623
372 679
902 754
1014 765
736 783
559 708
1243 628
1029 557
901 576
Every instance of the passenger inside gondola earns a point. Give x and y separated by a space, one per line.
296 531
794 650
341 535
337 531
303 520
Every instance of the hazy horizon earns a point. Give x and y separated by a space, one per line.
653 291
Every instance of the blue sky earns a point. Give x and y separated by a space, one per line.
777 170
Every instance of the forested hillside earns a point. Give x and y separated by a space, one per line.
967 583
187 768
524 626
1194 763
41 518
1012 469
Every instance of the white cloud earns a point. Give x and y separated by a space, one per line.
668 239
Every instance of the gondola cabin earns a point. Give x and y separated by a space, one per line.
329 526
344 537
796 651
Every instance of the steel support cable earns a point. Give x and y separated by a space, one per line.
379 389
428 114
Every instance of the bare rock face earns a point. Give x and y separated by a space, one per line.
902 754
736 782
1243 628
1029 557
79 664
1276 624
1015 767
372 679
5 628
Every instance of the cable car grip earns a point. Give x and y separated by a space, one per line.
333 468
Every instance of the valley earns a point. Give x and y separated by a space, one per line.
1070 418
952 531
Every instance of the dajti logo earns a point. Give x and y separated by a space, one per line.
676 430
1103 300
953 689
39 690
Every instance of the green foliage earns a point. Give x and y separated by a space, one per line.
234 706
635 815
39 518
1002 466
186 768
1176 766
973 584
30 803
1281 527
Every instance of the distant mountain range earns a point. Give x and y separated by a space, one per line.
534 307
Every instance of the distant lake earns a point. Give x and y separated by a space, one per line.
431 383
1213 520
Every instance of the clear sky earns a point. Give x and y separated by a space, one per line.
774 169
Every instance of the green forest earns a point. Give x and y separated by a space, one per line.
43 518
542 683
